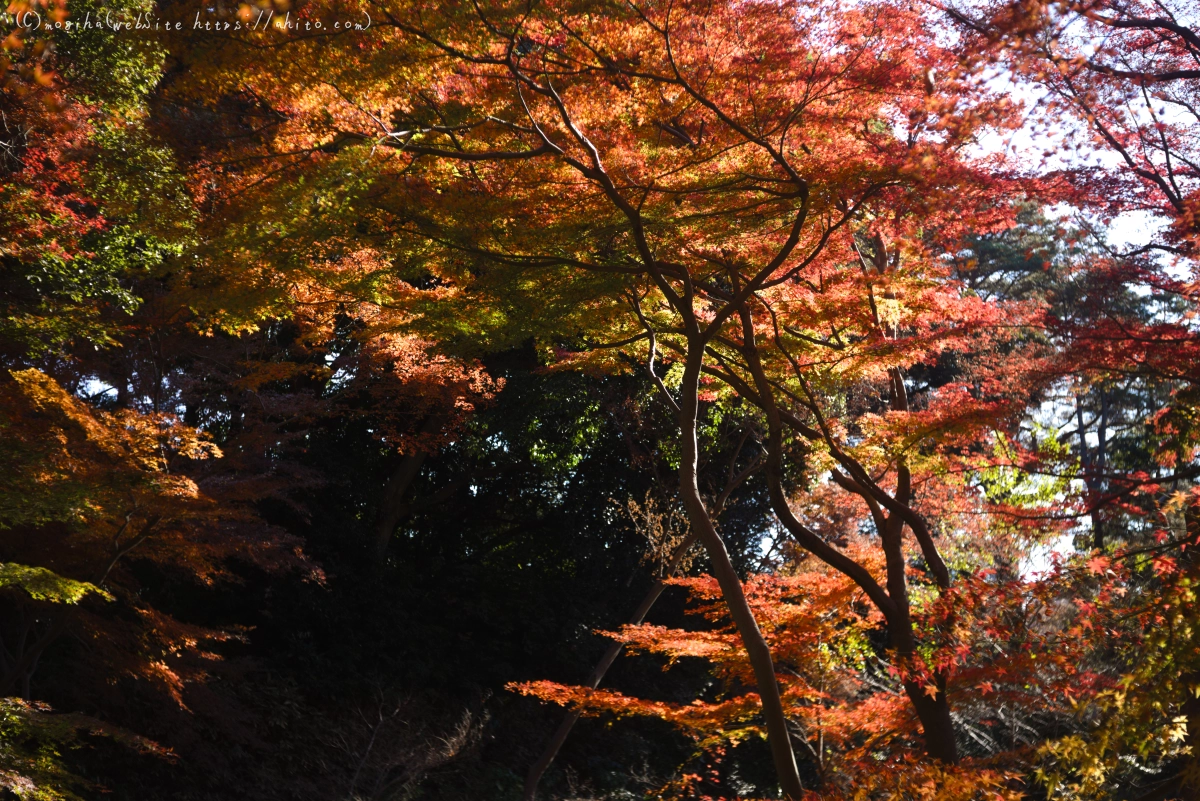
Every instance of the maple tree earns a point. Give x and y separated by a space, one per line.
718 213
1118 89
100 353
1124 75
726 171
269 287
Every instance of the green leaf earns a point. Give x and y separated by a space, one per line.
46 585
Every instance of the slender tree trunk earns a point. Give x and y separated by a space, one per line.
392 507
26 661
1093 463
538 769
929 701
391 510
731 585
1100 466
933 712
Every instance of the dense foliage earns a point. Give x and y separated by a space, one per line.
588 399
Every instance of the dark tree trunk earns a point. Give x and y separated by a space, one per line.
731 585
392 508
933 712
595 677
936 724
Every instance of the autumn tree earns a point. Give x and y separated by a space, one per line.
269 246
1033 659
741 189
1118 85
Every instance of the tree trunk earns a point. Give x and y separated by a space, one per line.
731 585
27 659
572 717
936 724
391 510
934 713
538 768
392 507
